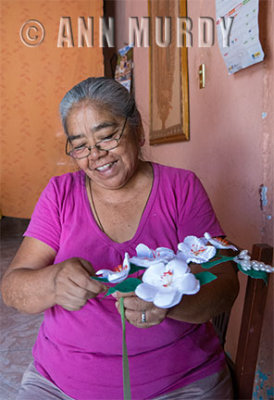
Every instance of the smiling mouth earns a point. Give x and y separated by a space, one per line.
105 167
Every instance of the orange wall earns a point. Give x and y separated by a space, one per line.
34 80
231 144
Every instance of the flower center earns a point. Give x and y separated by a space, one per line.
197 250
167 278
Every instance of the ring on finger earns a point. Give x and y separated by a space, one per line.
143 317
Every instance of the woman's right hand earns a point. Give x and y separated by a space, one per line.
73 285
33 283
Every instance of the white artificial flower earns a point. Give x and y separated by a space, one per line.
146 257
247 264
165 284
117 275
193 249
219 243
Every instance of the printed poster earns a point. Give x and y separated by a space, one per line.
244 47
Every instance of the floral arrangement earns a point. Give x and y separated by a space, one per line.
166 276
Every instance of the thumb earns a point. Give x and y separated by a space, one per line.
87 266
93 286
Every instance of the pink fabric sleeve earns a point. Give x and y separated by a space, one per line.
196 212
45 221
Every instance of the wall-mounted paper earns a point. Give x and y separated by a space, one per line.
124 67
238 33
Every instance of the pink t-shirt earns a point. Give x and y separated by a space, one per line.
81 351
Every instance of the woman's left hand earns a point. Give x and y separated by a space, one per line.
140 313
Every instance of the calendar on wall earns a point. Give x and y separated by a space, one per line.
238 33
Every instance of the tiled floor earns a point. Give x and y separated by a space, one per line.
18 331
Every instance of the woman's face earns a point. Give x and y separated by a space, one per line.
87 125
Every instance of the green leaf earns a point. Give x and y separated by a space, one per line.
99 278
205 277
254 274
135 268
216 261
128 285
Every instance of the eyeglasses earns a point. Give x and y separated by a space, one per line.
103 145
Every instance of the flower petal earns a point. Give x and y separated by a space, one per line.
126 263
146 291
117 277
146 257
141 262
167 298
193 249
219 243
178 266
144 251
187 284
104 272
153 274
190 240
164 253
113 276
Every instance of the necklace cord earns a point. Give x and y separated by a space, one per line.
92 203
91 200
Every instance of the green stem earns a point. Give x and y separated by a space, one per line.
126 378
216 261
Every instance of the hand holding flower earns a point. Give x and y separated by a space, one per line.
72 284
135 307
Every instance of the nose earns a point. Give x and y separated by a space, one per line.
96 153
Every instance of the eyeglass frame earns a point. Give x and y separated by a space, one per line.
97 145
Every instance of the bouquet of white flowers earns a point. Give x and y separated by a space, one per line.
166 276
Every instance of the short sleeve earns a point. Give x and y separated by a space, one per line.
196 214
45 221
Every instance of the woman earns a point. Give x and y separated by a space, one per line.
87 220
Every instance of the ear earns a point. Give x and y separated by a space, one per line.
141 136
142 141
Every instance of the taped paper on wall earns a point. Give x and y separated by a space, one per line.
124 68
238 33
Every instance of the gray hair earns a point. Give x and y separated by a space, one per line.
107 93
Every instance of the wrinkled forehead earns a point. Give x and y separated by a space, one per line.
98 108
87 119
87 110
